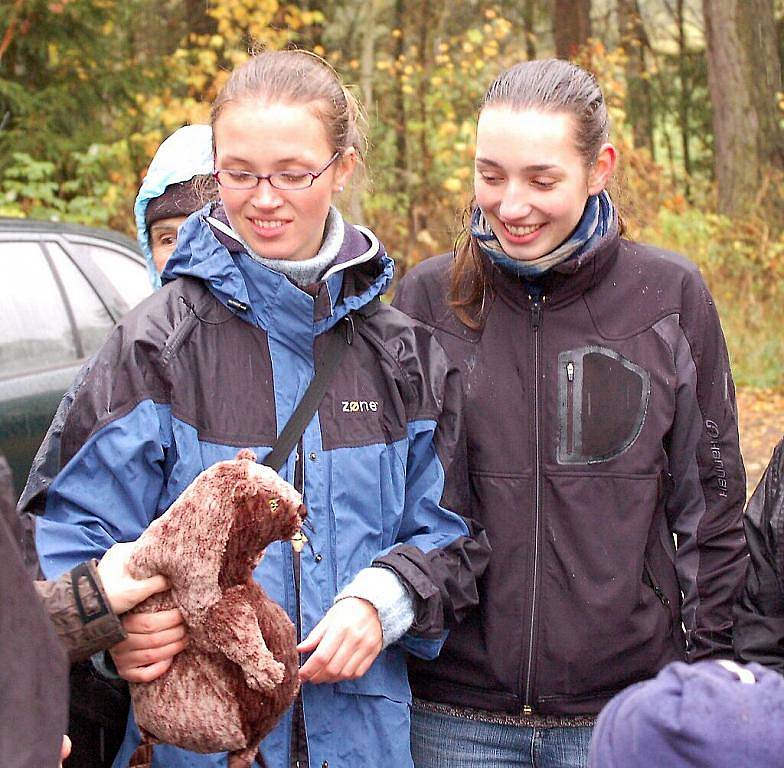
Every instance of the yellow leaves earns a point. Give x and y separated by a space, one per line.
240 20
759 412
425 238
407 89
53 54
490 13
294 20
502 28
452 185
675 203
308 18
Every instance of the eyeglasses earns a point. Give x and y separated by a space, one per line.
286 180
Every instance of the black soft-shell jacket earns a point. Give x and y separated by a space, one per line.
759 613
601 422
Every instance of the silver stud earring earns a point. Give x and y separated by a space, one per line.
340 188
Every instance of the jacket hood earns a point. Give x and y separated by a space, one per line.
183 155
208 250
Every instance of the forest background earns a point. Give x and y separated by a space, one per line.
88 88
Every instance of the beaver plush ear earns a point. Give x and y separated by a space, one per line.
246 453
243 488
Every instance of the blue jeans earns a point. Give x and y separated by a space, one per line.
443 741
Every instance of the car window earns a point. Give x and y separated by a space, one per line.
35 331
93 320
127 275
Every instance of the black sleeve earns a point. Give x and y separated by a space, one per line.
759 611
443 580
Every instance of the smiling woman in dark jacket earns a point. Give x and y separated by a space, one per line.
601 423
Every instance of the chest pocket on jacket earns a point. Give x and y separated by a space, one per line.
602 402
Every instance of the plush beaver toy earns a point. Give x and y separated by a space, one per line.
238 675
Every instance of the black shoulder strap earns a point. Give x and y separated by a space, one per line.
339 340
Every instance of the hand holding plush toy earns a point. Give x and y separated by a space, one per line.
238 675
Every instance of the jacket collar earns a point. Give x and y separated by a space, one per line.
565 282
208 251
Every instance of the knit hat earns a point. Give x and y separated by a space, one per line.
711 714
179 199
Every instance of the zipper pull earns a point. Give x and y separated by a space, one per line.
659 592
536 299
536 314
349 329
570 371
298 541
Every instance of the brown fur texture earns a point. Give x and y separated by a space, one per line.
238 675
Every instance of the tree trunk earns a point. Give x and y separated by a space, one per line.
744 76
367 61
529 21
684 98
571 26
639 105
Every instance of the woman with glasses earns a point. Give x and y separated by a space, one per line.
258 291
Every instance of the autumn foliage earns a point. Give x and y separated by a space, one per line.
88 88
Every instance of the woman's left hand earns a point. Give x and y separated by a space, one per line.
344 643
123 591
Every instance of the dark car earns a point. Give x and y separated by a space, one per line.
63 288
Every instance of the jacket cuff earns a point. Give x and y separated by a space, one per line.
79 608
386 593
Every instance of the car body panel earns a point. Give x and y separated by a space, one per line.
65 288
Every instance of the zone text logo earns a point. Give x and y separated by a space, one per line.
359 406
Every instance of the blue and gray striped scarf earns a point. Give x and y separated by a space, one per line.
597 220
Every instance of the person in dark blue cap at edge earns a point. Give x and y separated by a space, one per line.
712 714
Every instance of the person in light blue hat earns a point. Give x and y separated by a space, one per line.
178 182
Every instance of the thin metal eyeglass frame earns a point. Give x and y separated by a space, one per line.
269 176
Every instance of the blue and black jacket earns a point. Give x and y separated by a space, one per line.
217 360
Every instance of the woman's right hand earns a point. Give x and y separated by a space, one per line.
154 639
